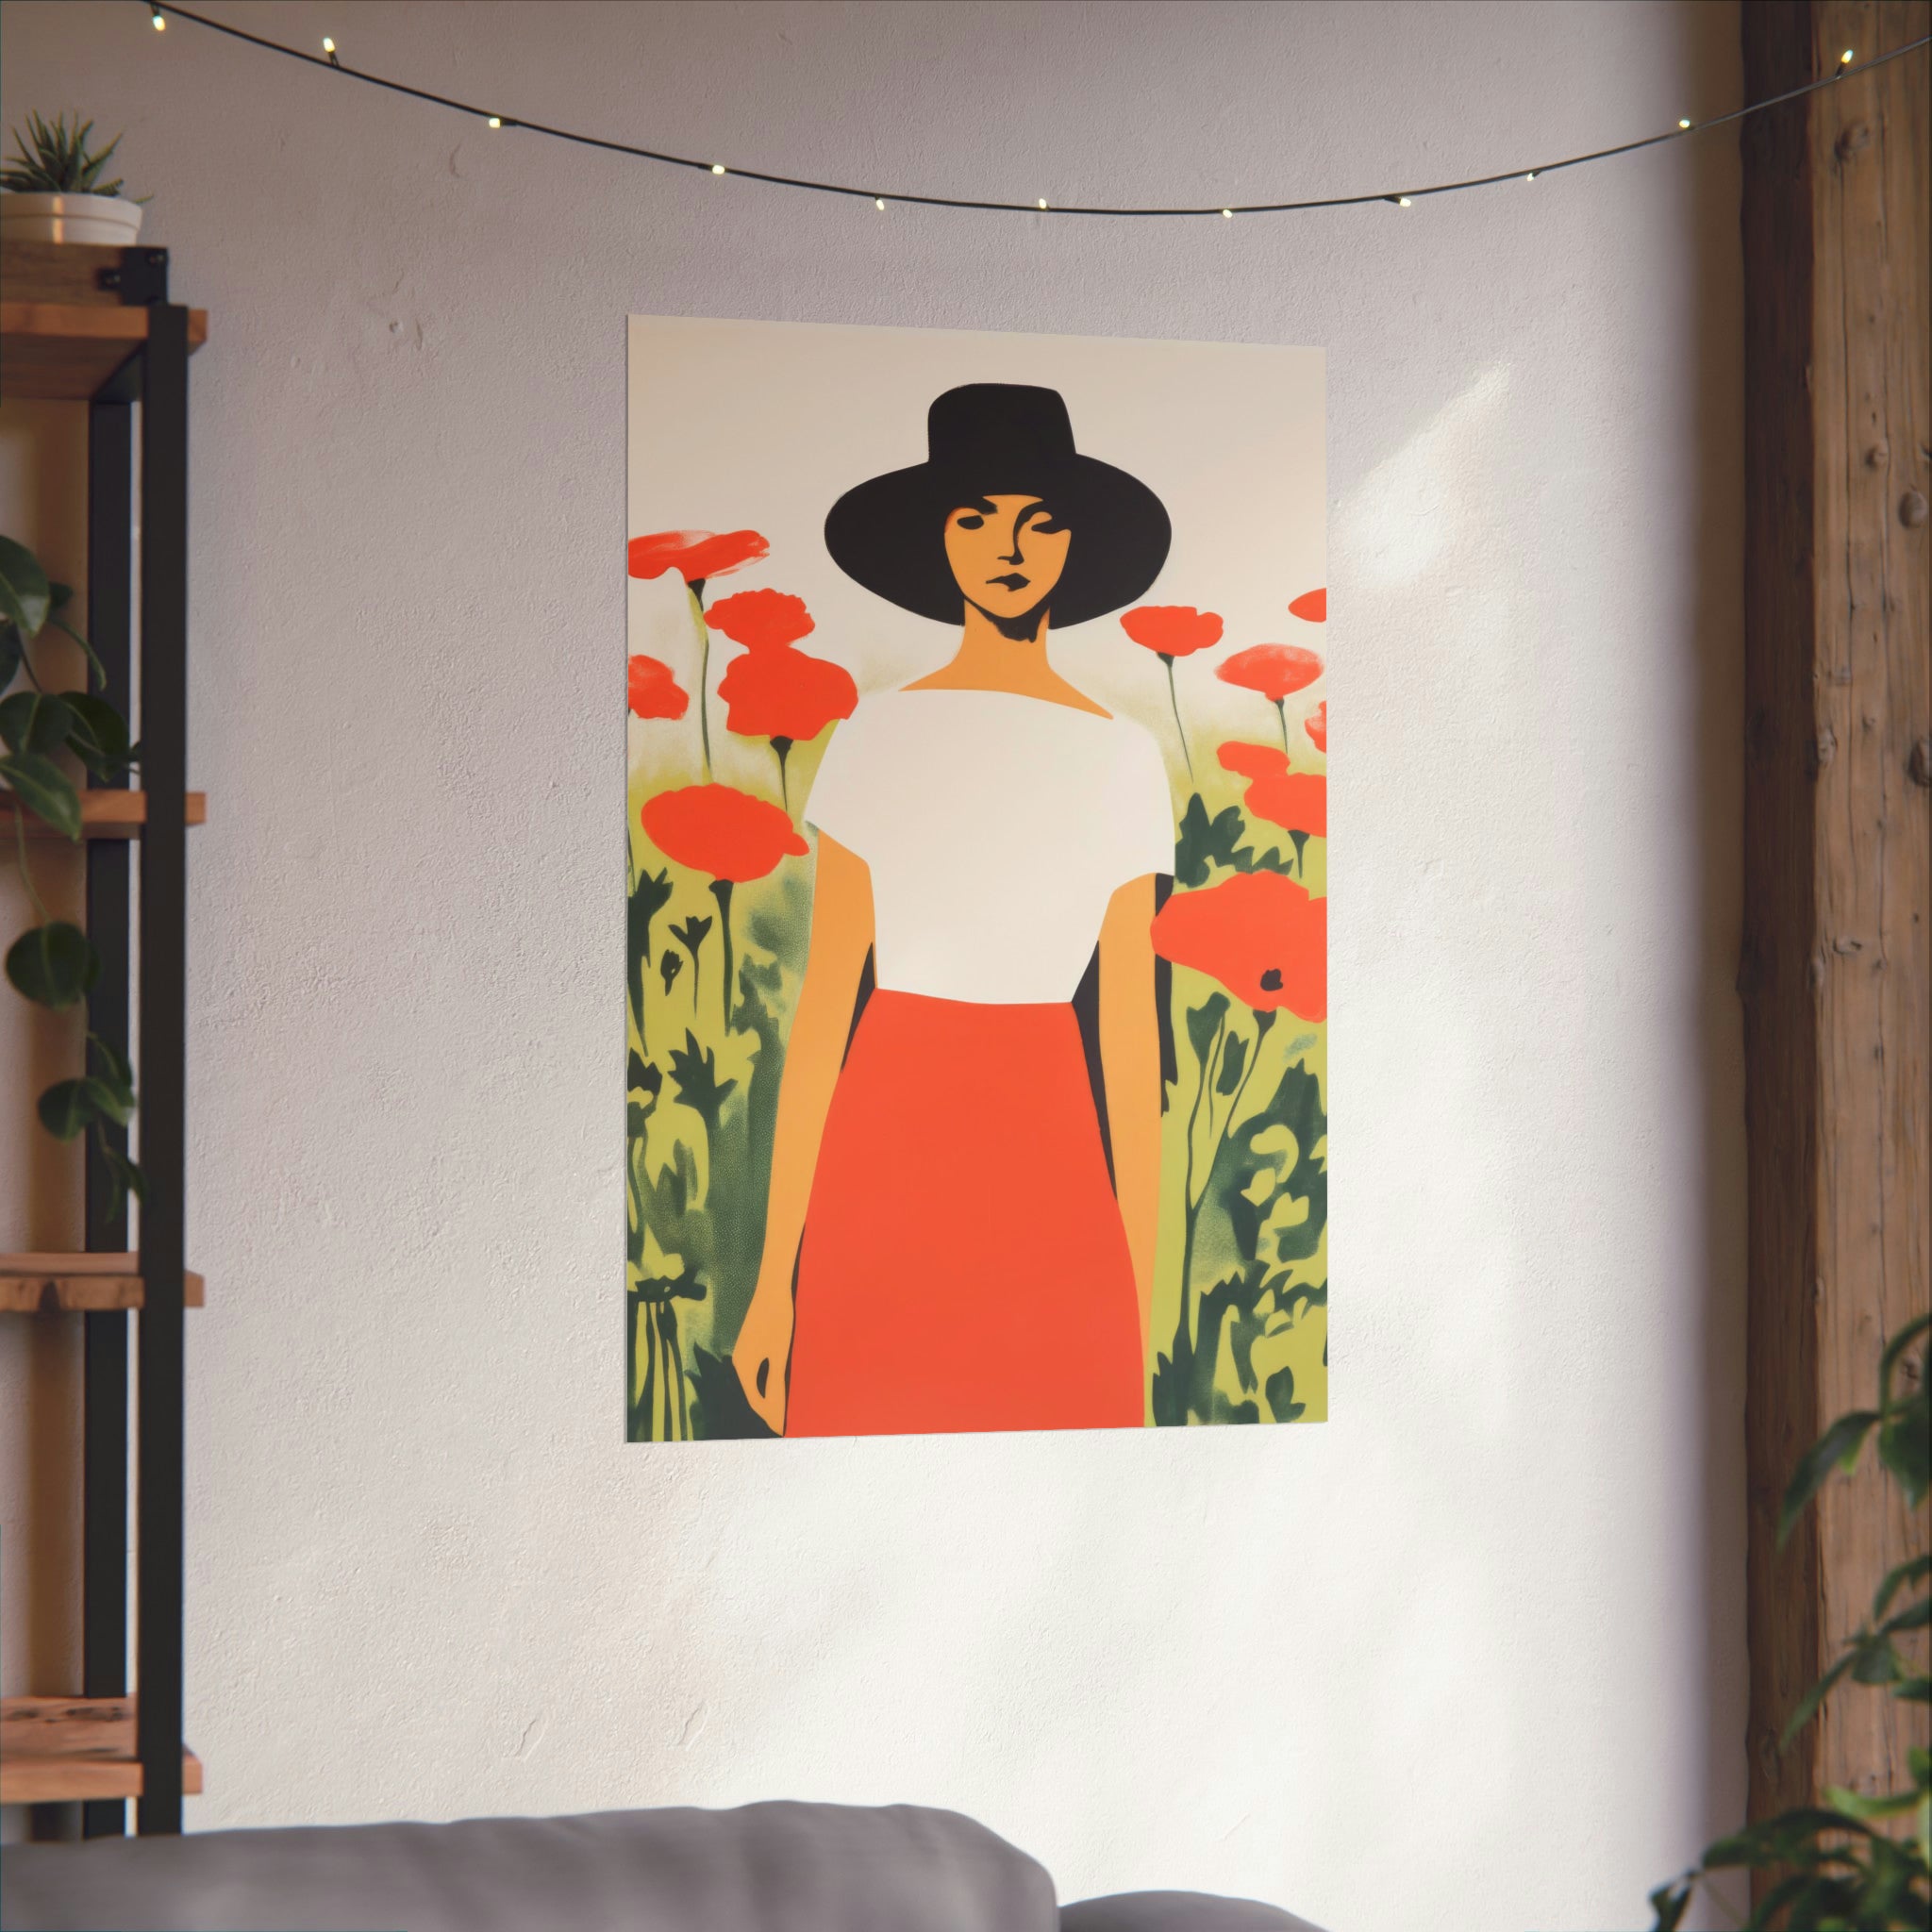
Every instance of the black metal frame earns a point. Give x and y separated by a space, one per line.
156 377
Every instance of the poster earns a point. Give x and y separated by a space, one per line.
976 874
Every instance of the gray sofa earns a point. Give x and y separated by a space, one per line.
765 1868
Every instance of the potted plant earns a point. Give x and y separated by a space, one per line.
54 191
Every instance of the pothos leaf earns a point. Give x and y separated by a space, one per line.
42 787
31 721
1838 1448
25 597
52 965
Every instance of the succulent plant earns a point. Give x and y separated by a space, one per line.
57 159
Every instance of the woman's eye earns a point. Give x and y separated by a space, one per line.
970 523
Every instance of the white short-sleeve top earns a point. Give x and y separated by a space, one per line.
995 827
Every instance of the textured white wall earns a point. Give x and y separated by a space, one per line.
1469 1656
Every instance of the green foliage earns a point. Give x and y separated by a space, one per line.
56 159
1839 1871
52 963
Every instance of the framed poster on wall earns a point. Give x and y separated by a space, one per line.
976 871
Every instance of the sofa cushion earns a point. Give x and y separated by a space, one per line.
1176 1912
765 1868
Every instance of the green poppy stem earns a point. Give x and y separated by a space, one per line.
722 891
697 606
1185 1332
1180 729
783 746
1281 712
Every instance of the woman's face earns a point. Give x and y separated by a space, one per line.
1006 553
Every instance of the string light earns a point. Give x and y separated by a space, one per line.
160 19
158 9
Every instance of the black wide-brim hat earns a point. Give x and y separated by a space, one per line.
1001 439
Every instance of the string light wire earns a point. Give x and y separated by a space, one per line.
1398 197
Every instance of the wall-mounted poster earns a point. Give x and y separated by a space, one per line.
977 861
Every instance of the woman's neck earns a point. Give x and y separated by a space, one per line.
988 659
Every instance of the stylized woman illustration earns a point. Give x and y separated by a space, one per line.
963 1260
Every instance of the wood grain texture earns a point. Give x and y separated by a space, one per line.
103 815
54 352
56 1750
1837 967
79 1283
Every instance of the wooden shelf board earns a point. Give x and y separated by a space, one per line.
58 1750
80 1284
64 351
103 815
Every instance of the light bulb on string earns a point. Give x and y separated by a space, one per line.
160 19
496 121
1844 59
1531 176
717 167
1227 214
328 47
1042 208
1683 124
878 201
1403 201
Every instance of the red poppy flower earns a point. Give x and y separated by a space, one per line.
1171 630
721 830
1296 800
1275 671
760 619
1254 760
694 554
1311 606
1317 726
785 693
653 692
1259 934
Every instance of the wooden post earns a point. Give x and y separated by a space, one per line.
1837 966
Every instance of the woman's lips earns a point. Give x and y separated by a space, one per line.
1014 581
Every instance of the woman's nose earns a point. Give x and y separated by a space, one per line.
1011 553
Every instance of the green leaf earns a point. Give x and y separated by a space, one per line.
1204 843
118 1069
1204 1023
52 965
32 722
9 652
1895 1580
1808 1705
67 1109
1905 1445
126 1176
1893 1349
1234 1057
1838 1448
1887 1804
1670 1903
25 597
695 1074
98 736
42 787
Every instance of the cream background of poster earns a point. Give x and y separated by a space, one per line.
1469 1656
746 424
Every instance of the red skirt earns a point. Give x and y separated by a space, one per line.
964 1265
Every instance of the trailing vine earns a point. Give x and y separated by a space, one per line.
52 962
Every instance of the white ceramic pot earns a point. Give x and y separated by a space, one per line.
105 220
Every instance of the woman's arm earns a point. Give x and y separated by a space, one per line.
841 935
1130 1063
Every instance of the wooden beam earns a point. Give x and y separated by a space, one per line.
104 814
1836 970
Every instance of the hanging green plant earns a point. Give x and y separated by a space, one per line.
52 962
